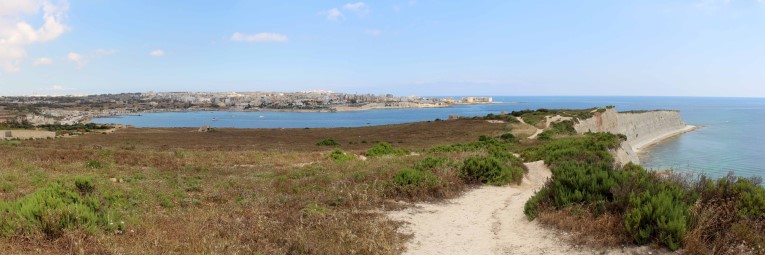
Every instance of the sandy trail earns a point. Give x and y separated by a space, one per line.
486 220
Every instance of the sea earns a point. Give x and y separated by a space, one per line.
731 136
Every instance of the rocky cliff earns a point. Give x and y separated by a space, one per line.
641 129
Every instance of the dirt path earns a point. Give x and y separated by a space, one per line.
486 220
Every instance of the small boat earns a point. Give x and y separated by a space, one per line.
261 116
214 119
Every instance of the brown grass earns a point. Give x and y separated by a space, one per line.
236 191
602 231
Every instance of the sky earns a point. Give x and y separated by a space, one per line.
403 47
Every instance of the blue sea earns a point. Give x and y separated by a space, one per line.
731 137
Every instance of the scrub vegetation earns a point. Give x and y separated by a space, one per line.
274 191
702 215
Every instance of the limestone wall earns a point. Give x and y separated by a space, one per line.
641 128
26 134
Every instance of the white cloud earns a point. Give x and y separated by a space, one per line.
76 58
359 8
16 33
333 14
105 52
42 61
157 53
259 37
373 32
59 88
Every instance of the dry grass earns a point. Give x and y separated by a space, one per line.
602 231
522 130
235 191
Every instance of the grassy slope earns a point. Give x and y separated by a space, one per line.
274 191
235 191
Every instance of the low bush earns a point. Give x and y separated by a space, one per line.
414 177
490 170
660 215
340 155
431 163
94 164
508 137
415 183
328 142
383 148
84 184
56 207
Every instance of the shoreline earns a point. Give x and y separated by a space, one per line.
89 117
643 146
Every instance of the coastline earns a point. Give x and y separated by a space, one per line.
87 118
641 147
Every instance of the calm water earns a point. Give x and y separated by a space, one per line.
732 136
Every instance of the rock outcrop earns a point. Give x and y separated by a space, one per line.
641 129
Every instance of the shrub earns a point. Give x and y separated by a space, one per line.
490 170
340 155
11 143
84 184
431 163
94 164
383 148
659 216
328 142
414 177
508 137
56 207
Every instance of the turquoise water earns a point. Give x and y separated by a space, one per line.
732 137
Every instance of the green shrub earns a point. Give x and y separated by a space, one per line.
12 143
431 163
533 206
328 142
383 148
56 207
94 164
659 216
490 170
340 155
508 137
414 177
84 184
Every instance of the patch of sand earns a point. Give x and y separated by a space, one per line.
488 220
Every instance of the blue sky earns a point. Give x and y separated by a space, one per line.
405 47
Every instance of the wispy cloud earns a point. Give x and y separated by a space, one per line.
16 33
59 88
373 32
105 52
157 53
42 61
359 8
259 37
76 58
333 14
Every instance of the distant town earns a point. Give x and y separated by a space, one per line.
69 110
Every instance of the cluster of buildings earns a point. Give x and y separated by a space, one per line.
74 109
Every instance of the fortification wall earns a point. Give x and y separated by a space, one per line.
26 134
